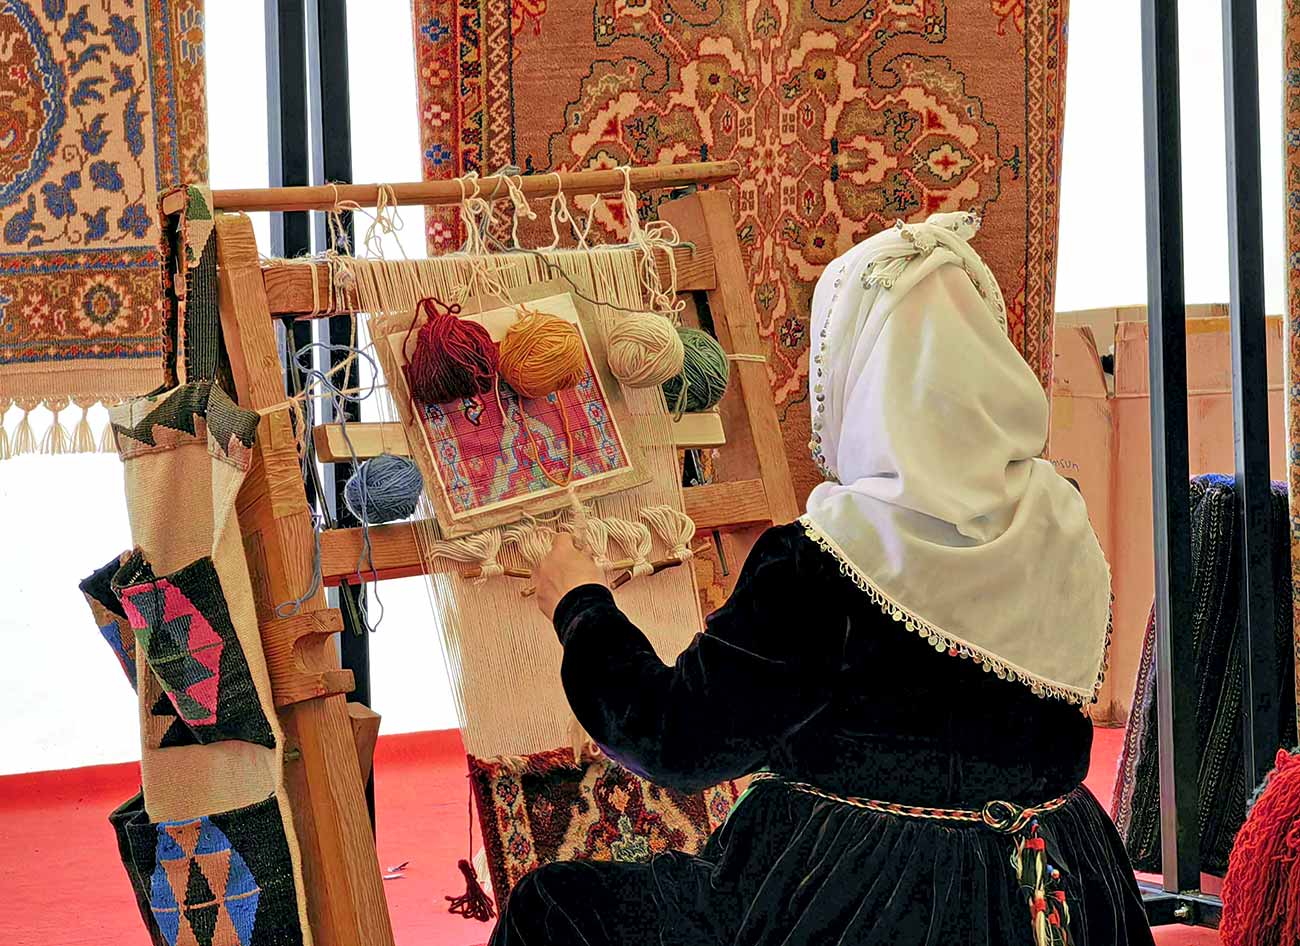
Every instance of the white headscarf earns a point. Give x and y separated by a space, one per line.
930 424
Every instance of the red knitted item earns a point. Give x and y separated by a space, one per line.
1261 892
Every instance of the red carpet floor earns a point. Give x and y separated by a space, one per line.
61 883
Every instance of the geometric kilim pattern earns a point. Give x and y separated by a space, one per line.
550 809
109 618
481 449
176 733
219 880
182 649
183 625
202 887
125 814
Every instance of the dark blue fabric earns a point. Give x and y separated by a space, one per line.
801 674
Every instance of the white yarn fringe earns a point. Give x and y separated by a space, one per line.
19 438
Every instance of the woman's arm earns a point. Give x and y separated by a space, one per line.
761 670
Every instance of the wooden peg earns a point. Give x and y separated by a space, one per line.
299 659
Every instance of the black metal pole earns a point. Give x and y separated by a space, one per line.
286 97
331 124
287 157
1166 313
1250 385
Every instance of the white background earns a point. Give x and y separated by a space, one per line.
63 702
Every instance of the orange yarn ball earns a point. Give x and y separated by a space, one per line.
542 354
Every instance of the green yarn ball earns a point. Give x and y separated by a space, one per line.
704 377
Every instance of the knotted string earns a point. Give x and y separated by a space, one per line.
320 383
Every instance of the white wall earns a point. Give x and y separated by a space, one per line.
1102 236
64 702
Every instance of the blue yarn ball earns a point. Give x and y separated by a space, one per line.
384 489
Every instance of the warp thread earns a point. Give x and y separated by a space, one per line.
531 540
480 548
311 382
5 450
645 350
1261 892
636 541
706 370
674 527
453 358
384 489
542 354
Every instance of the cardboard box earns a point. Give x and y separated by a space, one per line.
1101 439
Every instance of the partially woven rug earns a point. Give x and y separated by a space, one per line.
102 107
844 116
1216 639
548 807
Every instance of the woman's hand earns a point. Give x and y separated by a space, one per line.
565 567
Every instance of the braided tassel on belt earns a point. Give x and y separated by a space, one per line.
1048 910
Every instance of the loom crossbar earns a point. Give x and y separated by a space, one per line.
435 193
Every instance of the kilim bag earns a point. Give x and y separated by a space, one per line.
214 837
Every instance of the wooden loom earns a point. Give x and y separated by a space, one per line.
330 740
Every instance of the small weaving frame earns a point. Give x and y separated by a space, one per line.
453 523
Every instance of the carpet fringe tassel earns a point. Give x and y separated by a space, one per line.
21 438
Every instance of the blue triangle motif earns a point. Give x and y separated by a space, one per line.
168 849
243 914
212 840
241 879
162 901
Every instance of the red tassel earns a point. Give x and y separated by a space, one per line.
474 903
1261 892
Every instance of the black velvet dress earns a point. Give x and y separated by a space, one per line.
801 674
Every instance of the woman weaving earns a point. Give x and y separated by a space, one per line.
904 667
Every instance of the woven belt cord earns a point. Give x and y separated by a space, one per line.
1039 880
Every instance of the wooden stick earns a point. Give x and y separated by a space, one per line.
433 193
626 576
655 569
509 573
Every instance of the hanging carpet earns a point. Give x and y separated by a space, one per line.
1291 118
844 117
102 108
1216 640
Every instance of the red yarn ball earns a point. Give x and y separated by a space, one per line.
452 358
1261 892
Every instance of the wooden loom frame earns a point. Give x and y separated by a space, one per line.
331 741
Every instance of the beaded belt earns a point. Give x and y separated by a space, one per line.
1038 878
